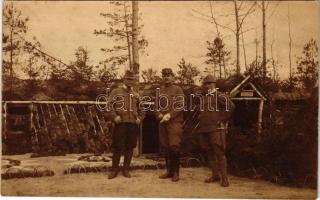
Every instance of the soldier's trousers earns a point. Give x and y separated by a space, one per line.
215 143
125 136
170 134
124 140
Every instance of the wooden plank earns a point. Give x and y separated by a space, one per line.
57 102
239 85
246 98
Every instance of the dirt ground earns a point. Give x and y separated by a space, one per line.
144 183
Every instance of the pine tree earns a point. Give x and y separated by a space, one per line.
308 65
120 31
187 73
218 56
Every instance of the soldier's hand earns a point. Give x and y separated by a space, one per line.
117 119
160 116
166 118
138 121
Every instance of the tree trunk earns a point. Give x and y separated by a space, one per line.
127 34
237 36
135 33
290 47
244 49
11 62
273 62
264 57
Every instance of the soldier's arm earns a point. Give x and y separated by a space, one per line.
178 107
112 113
140 111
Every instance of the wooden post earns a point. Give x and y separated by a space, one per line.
68 110
55 110
5 121
94 126
37 117
49 110
44 119
99 124
65 120
31 116
75 114
32 124
260 118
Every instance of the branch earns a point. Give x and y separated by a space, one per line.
241 3
250 29
276 6
212 20
250 10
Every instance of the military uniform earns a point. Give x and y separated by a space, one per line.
123 103
212 127
170 131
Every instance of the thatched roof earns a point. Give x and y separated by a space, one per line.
291 96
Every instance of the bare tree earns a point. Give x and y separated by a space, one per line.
274 74
264 54
264 8
241 12
244 49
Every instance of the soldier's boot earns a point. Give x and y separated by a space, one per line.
214 169
176 165
223 170
168 173
115 164
126 164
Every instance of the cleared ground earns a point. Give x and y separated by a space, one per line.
144 183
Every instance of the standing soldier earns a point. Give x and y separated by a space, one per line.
170 116
123 104
213 124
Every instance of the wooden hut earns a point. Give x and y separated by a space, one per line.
249 99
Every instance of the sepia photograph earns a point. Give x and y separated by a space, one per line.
160 99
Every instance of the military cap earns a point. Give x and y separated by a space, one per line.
167 71
209 79
129 75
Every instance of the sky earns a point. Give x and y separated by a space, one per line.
173 29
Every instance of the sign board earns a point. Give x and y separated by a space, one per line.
246 93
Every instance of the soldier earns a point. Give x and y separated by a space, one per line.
123 104
170 128
212 127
